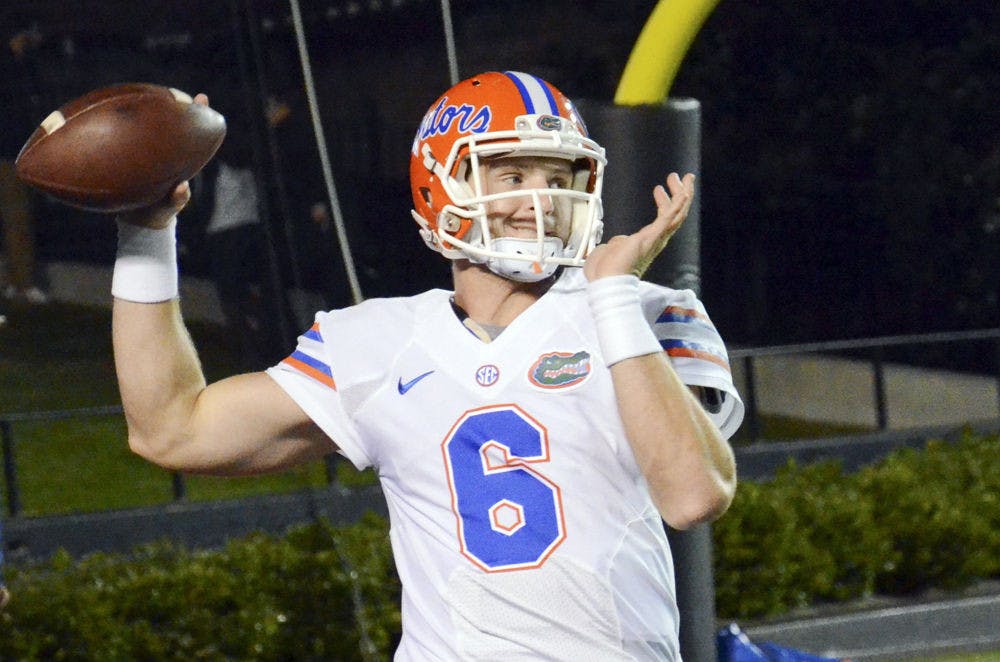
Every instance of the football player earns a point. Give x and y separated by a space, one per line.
531 428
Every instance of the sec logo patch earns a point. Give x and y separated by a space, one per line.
487 375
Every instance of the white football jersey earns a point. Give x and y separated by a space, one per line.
521 526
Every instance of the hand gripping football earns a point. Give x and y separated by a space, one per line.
120 148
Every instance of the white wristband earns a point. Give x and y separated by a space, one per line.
146 266
622 329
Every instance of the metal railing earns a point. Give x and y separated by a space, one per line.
876 346
748 356
7 444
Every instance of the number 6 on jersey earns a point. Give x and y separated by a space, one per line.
509 515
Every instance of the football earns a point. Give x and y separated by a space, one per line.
120 148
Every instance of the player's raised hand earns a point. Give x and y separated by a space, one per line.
632 254
160 214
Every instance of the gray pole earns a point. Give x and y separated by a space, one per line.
644 144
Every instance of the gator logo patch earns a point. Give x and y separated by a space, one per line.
560 370
549 123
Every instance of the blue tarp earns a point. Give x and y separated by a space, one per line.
735 646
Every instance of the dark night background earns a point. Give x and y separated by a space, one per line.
850 180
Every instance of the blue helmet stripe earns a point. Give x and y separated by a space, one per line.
534 92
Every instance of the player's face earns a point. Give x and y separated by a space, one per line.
517 216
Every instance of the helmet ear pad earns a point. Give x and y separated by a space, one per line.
460 217
426 195
434 191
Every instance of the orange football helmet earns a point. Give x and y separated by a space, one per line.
503 114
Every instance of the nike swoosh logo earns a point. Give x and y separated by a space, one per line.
403 387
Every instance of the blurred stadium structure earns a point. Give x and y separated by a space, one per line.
378 63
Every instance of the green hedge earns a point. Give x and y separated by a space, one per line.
319 593
916 520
